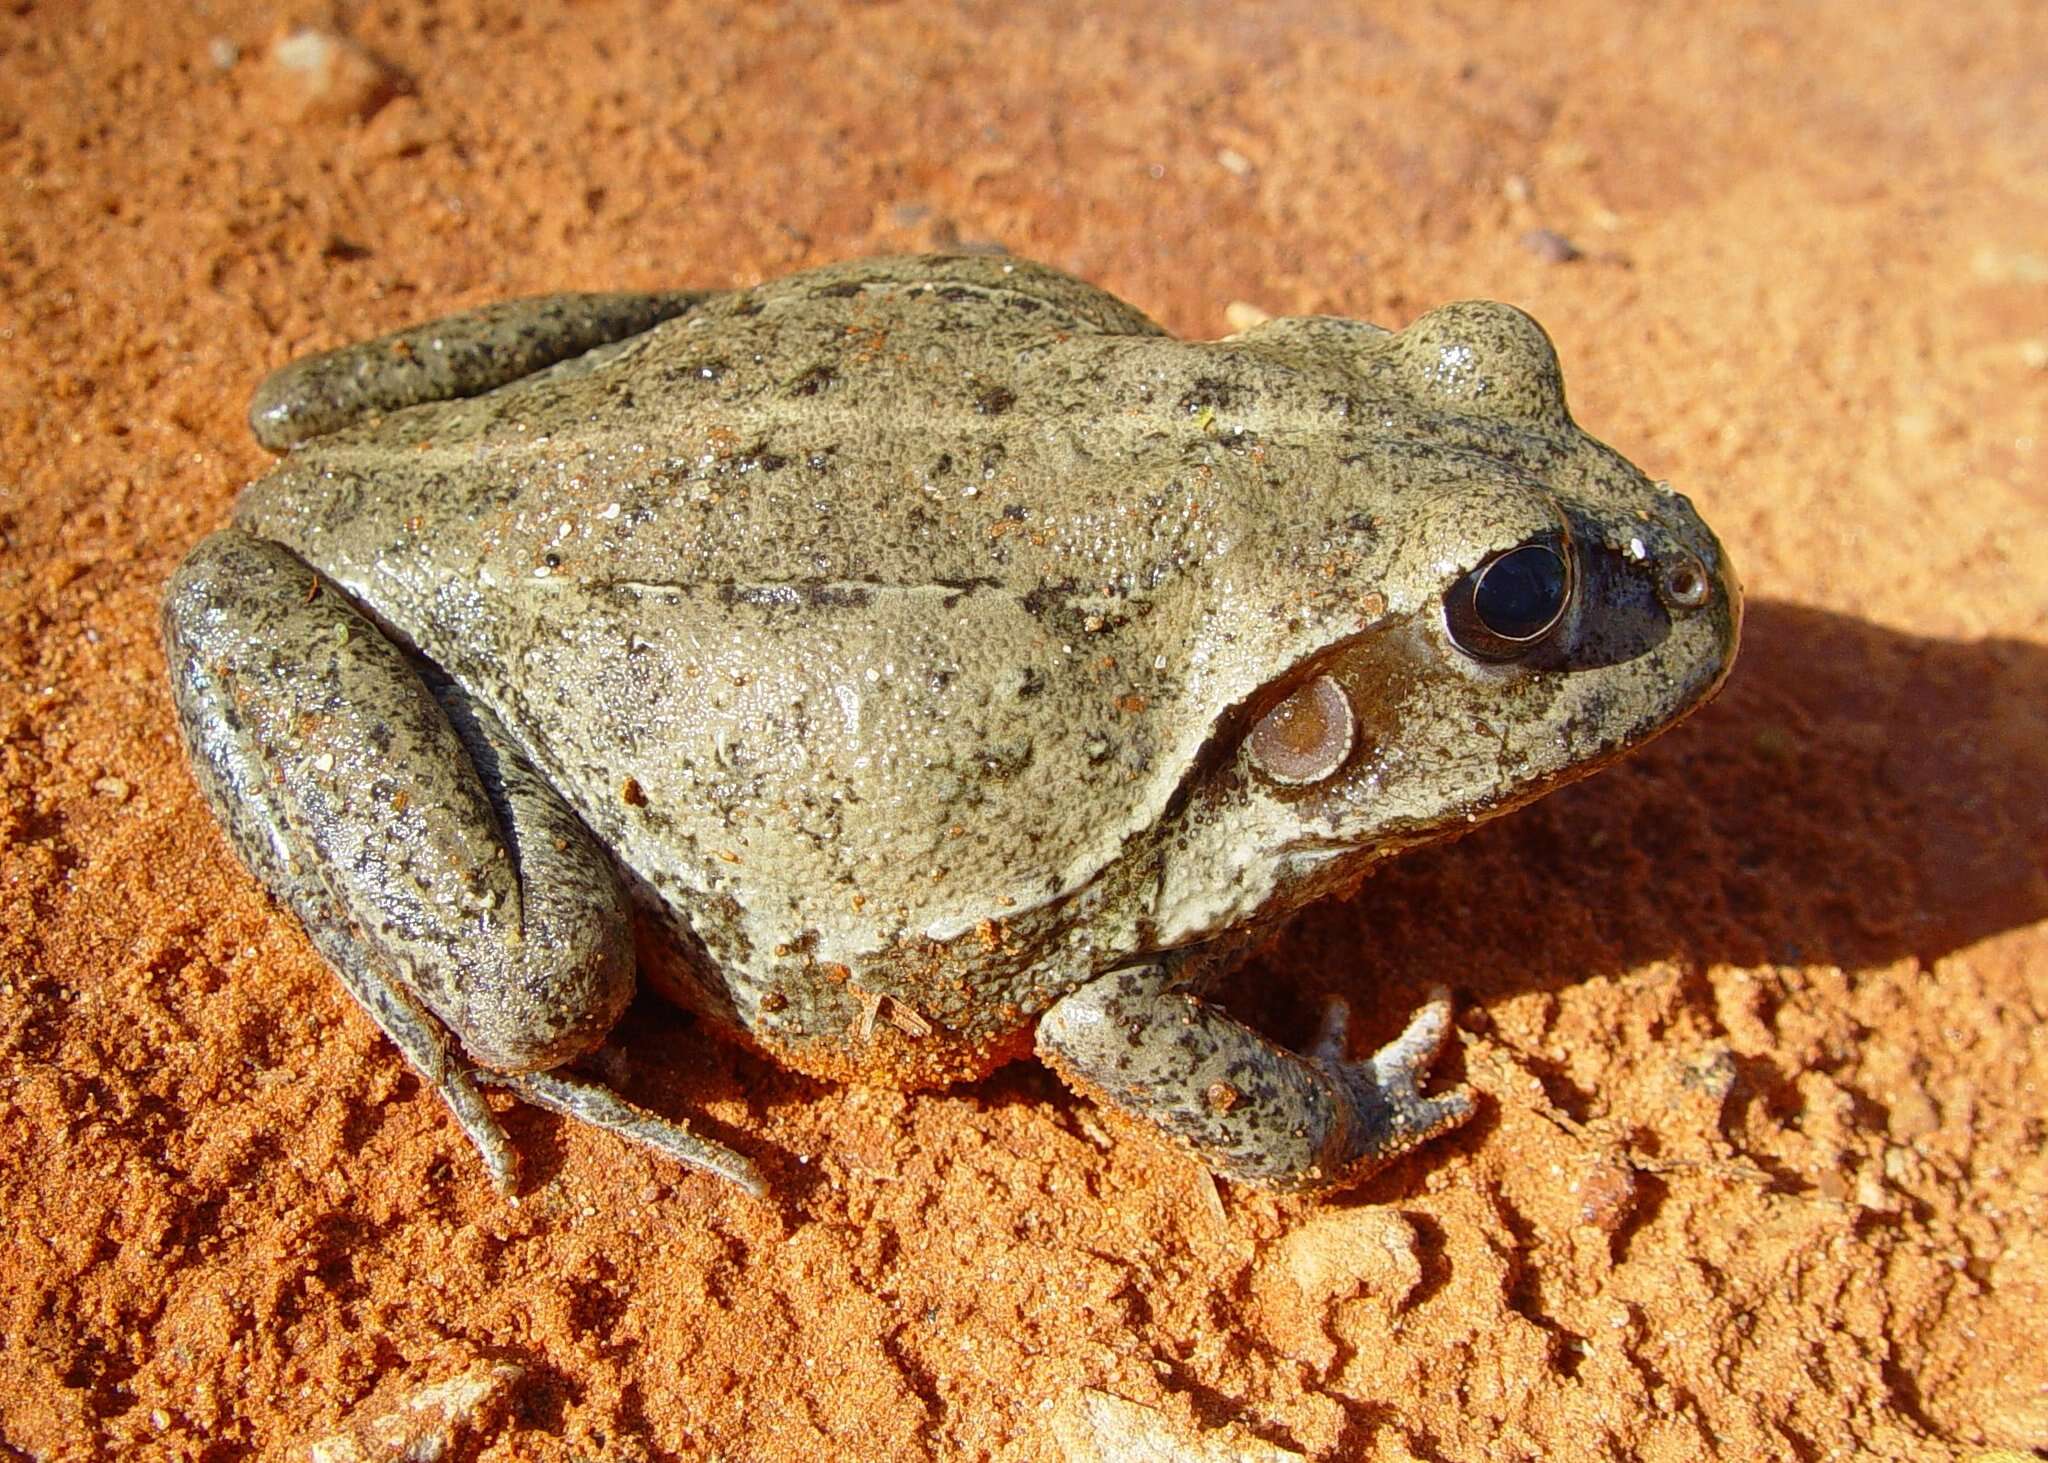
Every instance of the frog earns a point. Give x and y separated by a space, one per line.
911 665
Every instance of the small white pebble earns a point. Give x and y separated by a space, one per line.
1243 315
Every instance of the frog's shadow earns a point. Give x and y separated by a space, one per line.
1855 796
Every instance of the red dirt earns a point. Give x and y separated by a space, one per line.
1760 1018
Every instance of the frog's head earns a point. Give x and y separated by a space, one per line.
1525 606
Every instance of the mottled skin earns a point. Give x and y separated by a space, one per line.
877 653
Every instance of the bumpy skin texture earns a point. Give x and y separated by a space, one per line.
897 628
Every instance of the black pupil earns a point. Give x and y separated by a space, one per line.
1521 592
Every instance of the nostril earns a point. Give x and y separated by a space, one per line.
1682 582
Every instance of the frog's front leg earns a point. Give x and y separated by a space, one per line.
448 885
458 355
1245 1106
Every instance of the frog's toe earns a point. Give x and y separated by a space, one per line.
598 1105
1405 1060
1388 1104
473 1115
427 1045
1333 1033
1400 1066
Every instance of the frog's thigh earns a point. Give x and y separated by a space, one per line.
459 355
1247 1107
351 792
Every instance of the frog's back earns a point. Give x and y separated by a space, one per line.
867 608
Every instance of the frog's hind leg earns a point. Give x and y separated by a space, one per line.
456 356
451 889
1244 1105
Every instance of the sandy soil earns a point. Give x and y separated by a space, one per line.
1758 1017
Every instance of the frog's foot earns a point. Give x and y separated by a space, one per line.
1386 1089
1248 1108
601 1107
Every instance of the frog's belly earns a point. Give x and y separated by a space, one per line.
828 1021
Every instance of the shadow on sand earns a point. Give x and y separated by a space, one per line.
1855 795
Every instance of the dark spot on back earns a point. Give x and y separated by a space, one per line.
1047 597
1210 392
822 377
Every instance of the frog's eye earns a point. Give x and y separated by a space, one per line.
1506 606
1306 737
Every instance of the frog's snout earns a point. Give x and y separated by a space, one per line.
1699 591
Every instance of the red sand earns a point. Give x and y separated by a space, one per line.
1758 1017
